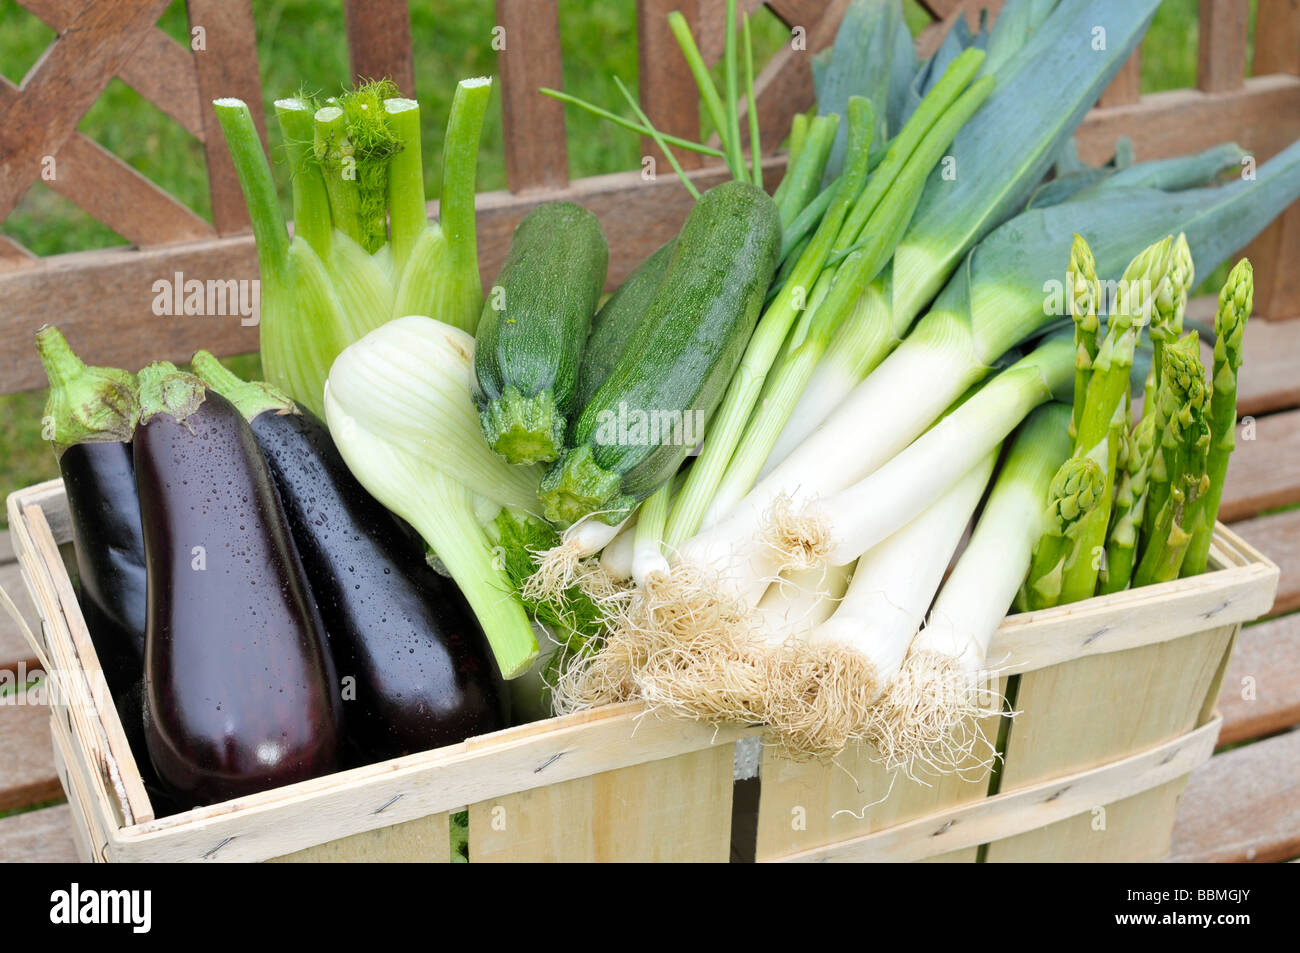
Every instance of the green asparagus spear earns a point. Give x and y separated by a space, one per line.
1235 301
1179 475
1129 505
1075 491
1105 415
1170 308
1084 304
1182 384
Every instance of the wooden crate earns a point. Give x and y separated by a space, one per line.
1115 700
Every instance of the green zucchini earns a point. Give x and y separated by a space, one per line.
618 319
642 421
530 337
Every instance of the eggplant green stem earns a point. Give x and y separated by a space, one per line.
164 389
86 404
251 398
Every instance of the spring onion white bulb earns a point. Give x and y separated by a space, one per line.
854 520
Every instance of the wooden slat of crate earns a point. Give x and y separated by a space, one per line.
1261 689
677 809
1135 829
804 805
1090 711
26 763
38 837
425 840
14 650
1262 473
1006 815
1278 535
1243 805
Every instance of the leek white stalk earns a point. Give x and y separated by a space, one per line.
398 405
861 516
799 603
557 568
875 215
895 581
783 524
927 717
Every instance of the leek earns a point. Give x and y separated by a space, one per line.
1000 156
363 250
1005 292
863 515
926 717
398 405
896 580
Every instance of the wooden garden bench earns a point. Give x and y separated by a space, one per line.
1244 804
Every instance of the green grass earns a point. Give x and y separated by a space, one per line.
301 45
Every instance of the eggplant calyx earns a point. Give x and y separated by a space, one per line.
86 404
166 390
251 398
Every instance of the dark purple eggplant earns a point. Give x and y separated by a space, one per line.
240 689
424 673
90 416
